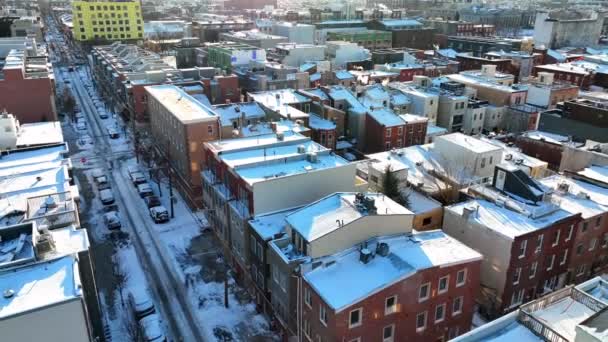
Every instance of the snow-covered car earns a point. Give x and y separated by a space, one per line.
111 220
151 329
81 125
112 132
132 169
102 182
102 113
144 190
141 304
137 178
106 196
159 214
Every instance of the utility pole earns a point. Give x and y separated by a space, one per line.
171 193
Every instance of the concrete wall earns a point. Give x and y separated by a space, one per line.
495 248
61 322
358 231
292 191
574 159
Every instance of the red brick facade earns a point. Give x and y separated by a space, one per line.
28 99
374 318
381 138
545 151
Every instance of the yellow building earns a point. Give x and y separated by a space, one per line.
109 20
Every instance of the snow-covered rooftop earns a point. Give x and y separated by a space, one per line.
514 155
505 221
470 143
39 133
596 193
386 117
419 203
564 315
181 104
339 93
255 142
267 171
596 173
344 75
230 112
268 226
320 218
546 136
412 118
40 285
318 123
408 253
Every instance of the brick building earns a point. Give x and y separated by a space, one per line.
525 238
544 146
27 87
180 125
385 130
568 72
412 287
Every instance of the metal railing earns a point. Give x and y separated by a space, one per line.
539 328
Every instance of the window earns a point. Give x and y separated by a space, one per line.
556 241
483 162
439 313
580 270
210 129
457 305
592 244
400 130
426 221
424 292
598 221
539 243
585 226
390 305
453 332
306 328
388 133
421 321
307 297
443 284
388 333
355 318
461 277
579 249
516 276
605 244
550 262
323 314
564 257
517 297
570 231
533 268
522 248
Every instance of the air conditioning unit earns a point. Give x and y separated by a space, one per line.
382 249
365 255
312 157
301 149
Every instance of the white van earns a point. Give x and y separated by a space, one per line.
151 329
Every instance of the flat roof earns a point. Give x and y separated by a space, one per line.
40 285
259 173
408 253
269 153
319 218
270 225
255 142
597 173
596 193
181 104
235 111
40 133
386 117
470 143
504 221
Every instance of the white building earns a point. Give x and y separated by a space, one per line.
423 102
14 135
476 156
339 53
295 32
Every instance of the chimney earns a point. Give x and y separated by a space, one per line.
488 70
468 212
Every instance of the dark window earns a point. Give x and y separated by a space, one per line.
426 221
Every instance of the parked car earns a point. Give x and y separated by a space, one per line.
141 304
102 183
102 113
144 190
132 169
152 201
151 329
81 125
137 178
113 133
106 196
159 214
111 220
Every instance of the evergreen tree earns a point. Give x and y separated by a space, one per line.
390 184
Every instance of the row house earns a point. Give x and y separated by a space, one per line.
589 255
526 239
423 102
568 73
498 91
245 177
385 130
575 313
419 286
544 92
545 146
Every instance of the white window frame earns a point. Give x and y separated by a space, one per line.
517 295
308 297
550 267
557 236
350 324
305 328
464 278
447 284
389 339
564 257
443 315
356 339
518 273
428 292
459 311
539 246
390 310
522 248
570 232
323 314
426 317
580 270
592 244
533 267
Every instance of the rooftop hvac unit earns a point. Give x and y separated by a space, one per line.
509 156
382 249
365 255
312 157
301 149
563 187
45 243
